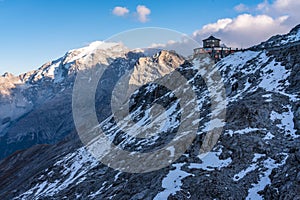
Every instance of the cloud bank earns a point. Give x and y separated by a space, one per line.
248 29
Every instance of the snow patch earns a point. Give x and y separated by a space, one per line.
172 182
73 167
210 161
172 151
249 169
268 136
270 164
286 121
274 77
243 131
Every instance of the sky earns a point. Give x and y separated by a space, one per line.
34 32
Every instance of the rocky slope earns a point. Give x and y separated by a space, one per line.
257 155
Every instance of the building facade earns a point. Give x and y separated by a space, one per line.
211 42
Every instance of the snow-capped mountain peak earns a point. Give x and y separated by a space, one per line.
77 59
76 54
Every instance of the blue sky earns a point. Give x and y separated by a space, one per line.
36 31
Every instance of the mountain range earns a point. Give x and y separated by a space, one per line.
252 148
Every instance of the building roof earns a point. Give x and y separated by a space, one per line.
211 38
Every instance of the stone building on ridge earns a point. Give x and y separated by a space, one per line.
214 48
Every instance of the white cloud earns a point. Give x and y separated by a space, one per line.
263 6
162 45
183 46
282 7
287 5
241 8
245 30
120 11
214 27
142 13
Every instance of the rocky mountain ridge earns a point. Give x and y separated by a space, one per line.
32 94
281 40
257 155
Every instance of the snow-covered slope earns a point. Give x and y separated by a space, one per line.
256 157
280 40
